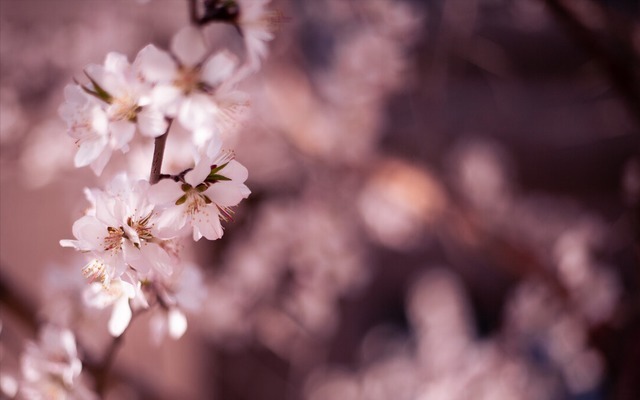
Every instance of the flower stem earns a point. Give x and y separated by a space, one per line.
158 154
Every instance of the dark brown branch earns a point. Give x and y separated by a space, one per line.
158 154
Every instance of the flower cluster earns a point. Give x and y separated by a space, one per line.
132 230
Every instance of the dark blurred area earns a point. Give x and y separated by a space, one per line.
445 199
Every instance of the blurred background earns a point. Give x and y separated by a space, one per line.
445 201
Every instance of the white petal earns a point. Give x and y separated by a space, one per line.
158 258
90 233
99 120
196 110
74 95
98 165
155 65
152 122
95 295
95 72
188 45
171 221
227 194
207 224
89 151
158 327
165 192
116 63
235 171
120 317
218 68
199 173
121 132
214 145
177 323
167 98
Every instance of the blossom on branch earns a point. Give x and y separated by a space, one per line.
182 292
120 232
117 294
51 368
196 89
204 197
104 115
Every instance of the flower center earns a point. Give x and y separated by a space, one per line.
188 79
96 271
113 241
124 108
196 201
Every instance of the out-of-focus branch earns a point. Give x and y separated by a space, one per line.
619 65
15 302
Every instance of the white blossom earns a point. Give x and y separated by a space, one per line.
205 197
126 98
182 292
255 22
51 368
191 87
116 294
119 232
88 124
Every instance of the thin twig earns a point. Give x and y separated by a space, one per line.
158 154
102 371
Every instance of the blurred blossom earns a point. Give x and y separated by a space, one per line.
13 116
593 287
45 156
439 313
8 385
344 122
51 368
398 201
480 171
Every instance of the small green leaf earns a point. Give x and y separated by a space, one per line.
216 177
185 187
215 169
99 92
181 200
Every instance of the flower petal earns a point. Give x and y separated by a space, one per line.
199 173
235 171
155 65
152 122
227 194
177 322
121 133
90 233
188 46
218 68
207 223
89 151
99 163
171 221
165 192
120 317
196 110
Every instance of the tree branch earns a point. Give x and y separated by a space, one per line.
158 154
